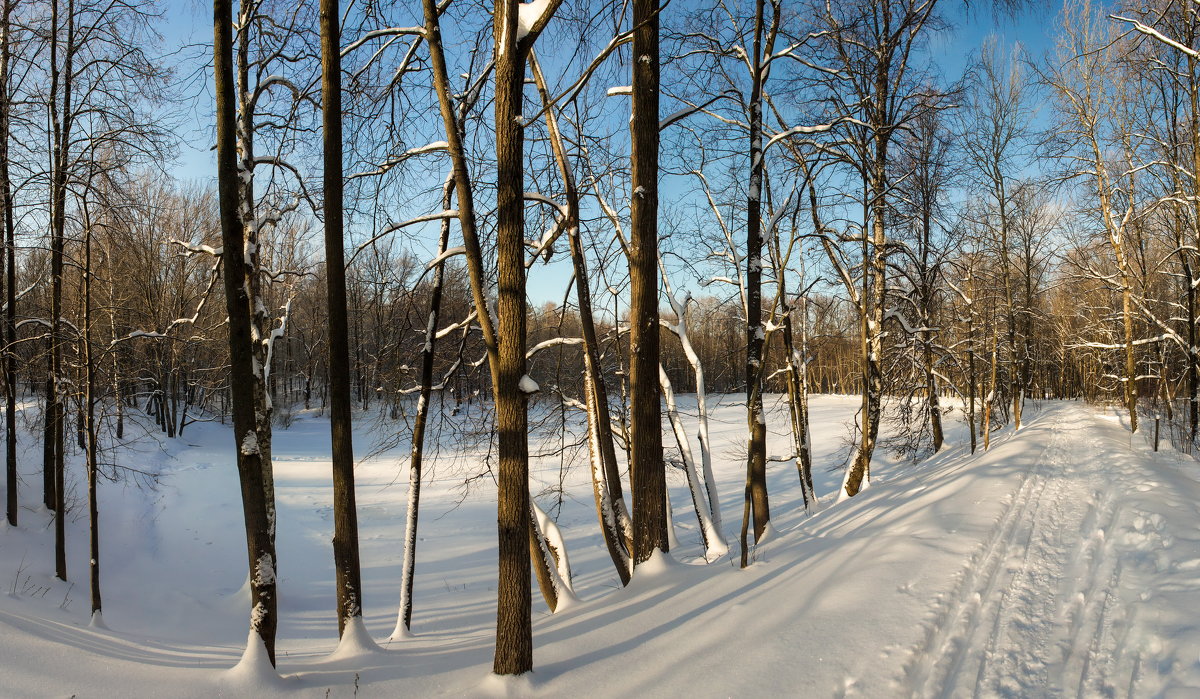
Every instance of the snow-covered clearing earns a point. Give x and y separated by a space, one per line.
1064 561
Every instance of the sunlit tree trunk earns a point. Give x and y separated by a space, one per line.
646 470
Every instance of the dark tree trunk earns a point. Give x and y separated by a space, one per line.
646 470
756 451
345 514
89 427
254 470
61 119
10 278
417 451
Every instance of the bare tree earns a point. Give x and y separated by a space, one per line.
246 385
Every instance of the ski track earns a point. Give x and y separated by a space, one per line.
1036 610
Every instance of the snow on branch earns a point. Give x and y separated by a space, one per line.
377 33
542 248
276 333
532 16
909 328
1156 35
800 130
552 342
198 249
1120 345
455 326
393 161
445 255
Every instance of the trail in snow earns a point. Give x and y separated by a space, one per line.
1042 609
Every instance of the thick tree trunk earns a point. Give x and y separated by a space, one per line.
972 380
246 384
514 634
345 512
646 470
1014 382
1131 393
871 307
1193 354
990 398
931 389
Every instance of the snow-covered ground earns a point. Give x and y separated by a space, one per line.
1066 560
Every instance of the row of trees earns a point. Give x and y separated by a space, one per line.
815 208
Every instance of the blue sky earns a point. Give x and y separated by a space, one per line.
189 22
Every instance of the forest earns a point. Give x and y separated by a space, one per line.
479 236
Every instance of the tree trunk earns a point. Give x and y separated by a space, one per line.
61 120
990 398
972 381
714 546
615 524
514 634
756 419
246 384
345 513
10 266
417 451
646 470
89 416
798 408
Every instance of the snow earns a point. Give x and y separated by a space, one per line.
1063 561
528 14
253 675
528 385
356 642
249 446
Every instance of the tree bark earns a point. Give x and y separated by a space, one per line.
646 470
514 633
10 266
254 466
89 416
345 513
61 122
756 419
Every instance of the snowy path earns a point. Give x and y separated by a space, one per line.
1043 609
